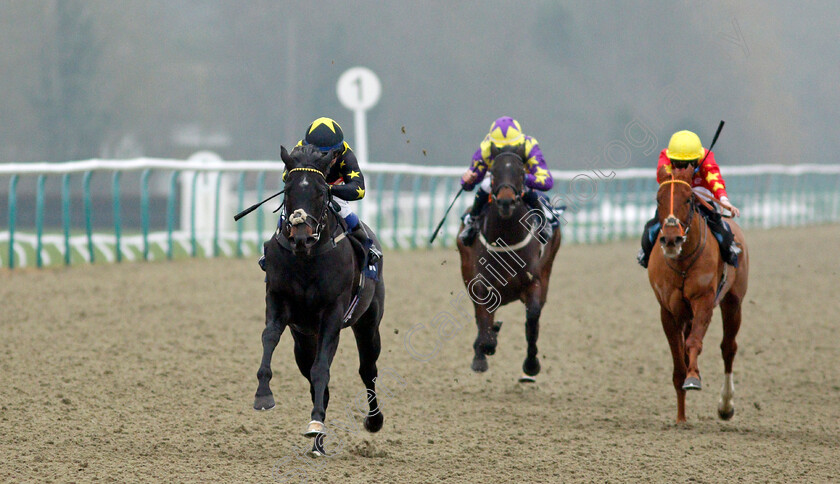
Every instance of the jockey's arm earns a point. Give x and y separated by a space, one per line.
538 176
353 187
710 171
475 173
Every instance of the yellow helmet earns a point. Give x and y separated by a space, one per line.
506 131
685 146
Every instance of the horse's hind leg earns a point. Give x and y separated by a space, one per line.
531 365
730 308
264 399
366 331
676 340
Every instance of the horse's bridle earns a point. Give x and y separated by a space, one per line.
494 194
671 220
300 216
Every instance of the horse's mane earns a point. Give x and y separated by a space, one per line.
684 174
311 157
518 150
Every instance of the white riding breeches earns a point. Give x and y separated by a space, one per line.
485 184
344 207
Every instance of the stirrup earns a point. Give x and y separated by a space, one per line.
467 236
734 251
546 232
374 255
640 258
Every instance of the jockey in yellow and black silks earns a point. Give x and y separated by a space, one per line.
345 179
505 131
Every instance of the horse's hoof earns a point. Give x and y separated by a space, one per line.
527 379
318 448
314 429
692 383
531 367
373 423
265 402
479 365
726 414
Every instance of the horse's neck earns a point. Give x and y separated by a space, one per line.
695 238
511 230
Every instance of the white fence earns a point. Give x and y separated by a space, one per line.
403 203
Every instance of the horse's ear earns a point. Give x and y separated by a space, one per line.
324 161
284 155
494 150
683 173
664 173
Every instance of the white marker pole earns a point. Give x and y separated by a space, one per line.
359 89
360 122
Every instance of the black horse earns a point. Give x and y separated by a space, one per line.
315 285
508 261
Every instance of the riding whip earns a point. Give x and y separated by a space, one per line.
445 214
254 207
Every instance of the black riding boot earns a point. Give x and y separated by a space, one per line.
360 234
471 220
726 239
648 240
532 199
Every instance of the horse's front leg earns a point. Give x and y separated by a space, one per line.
275 324
533 308
676 340
328 335
486 340
701 309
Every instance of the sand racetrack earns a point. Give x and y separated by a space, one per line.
147 371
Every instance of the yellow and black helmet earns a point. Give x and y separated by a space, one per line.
325 134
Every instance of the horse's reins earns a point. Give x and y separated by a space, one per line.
300 216
491 246
516 197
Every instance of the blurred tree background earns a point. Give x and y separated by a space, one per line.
128 78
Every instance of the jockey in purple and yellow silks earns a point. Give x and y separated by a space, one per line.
505 131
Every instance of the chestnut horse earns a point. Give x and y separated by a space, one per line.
508 262
689 279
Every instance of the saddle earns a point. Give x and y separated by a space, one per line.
362 251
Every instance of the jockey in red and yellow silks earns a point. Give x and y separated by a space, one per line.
685 150
707 178
505 131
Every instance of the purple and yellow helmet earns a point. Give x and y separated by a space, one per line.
505 131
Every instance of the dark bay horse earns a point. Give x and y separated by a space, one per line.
315 287
508 262
689 280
